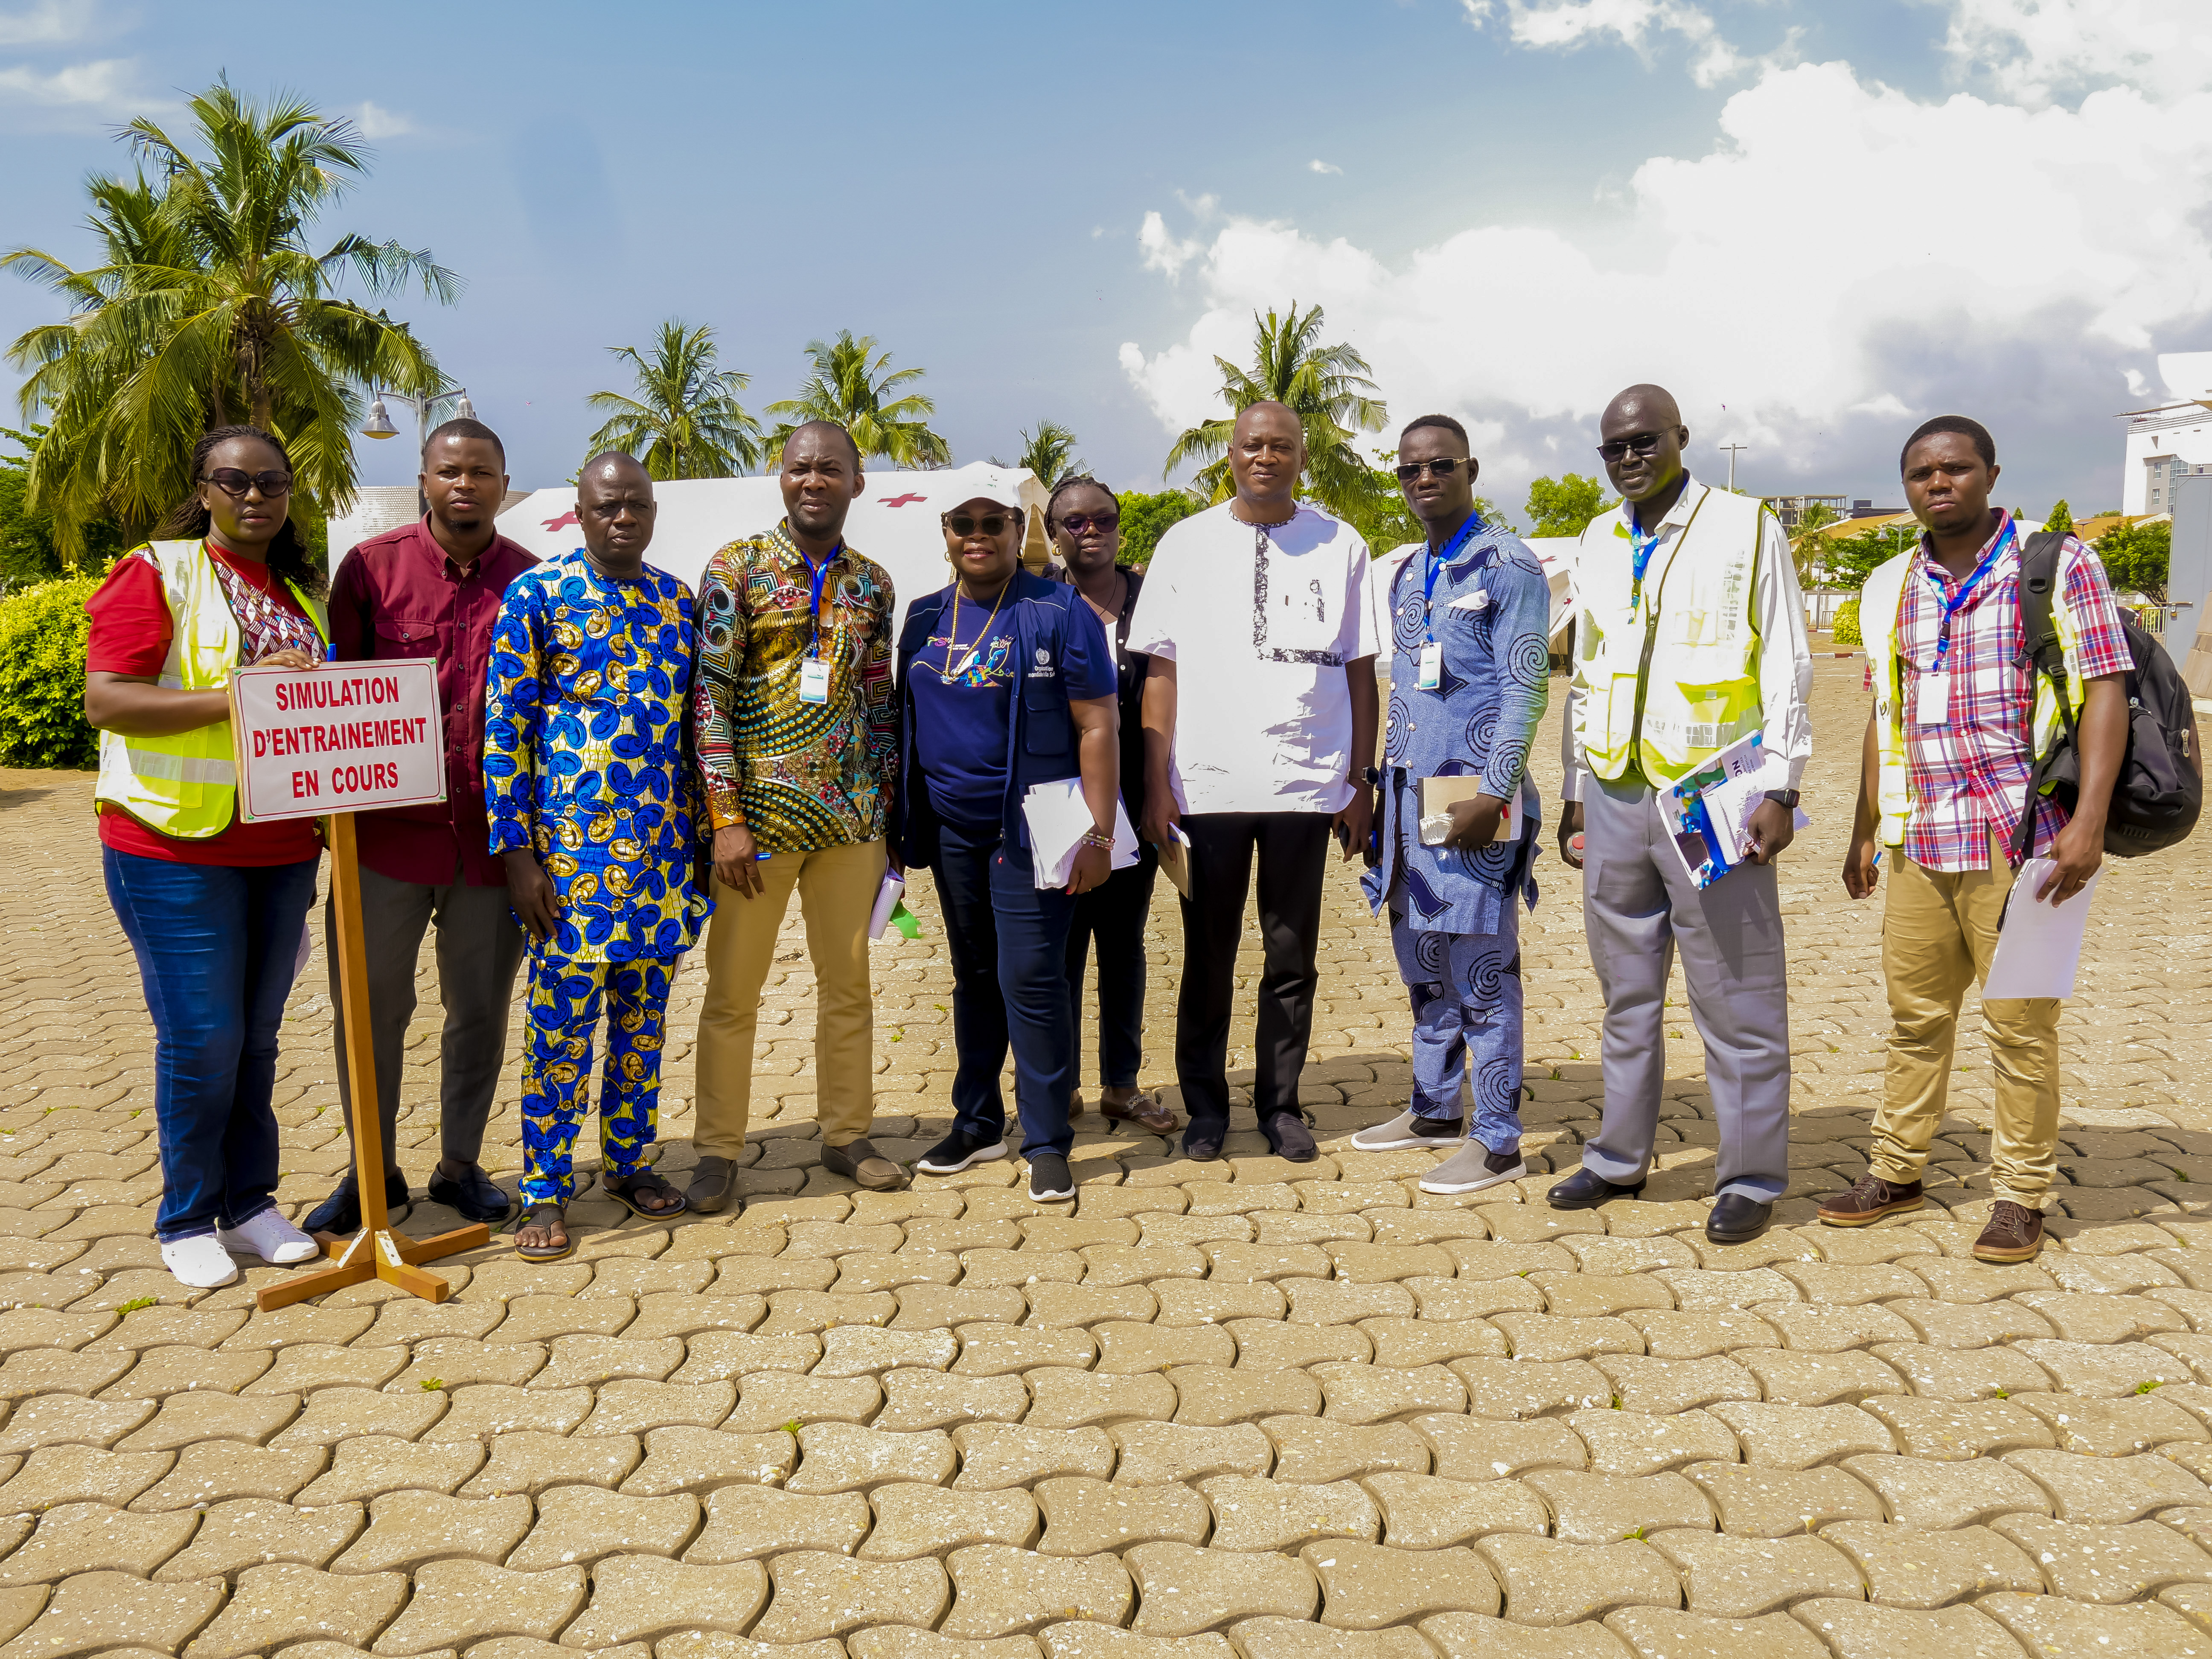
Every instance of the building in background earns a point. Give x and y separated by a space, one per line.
1791 509
2170 440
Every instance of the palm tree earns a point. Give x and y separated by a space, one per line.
208 306
850 385
685 421
1326 386
1049 453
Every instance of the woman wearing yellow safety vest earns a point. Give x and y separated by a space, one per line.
216 910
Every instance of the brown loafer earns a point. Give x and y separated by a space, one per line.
1869 1200
2015 1234
859 1161
1145 1110
710 1184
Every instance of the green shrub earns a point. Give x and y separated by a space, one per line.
1847 624
42 635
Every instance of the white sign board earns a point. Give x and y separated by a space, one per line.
342 737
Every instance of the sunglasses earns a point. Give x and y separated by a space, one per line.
1082 523
966 523
232 481
1443 467
1643 443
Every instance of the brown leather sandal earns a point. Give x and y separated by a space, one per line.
1145 1109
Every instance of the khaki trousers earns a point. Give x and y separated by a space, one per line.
1939 930
837 888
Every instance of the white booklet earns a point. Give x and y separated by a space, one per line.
1058 817
2039 944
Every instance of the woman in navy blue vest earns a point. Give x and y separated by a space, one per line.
1005 682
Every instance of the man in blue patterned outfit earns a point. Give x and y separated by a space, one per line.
594 808
1469 612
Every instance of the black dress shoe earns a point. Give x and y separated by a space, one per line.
341 1212
1202 1141
1585 1189
1737 1221
473 1194
1287 1133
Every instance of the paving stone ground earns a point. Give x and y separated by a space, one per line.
1296 1410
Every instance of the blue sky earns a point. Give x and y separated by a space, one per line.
1819 221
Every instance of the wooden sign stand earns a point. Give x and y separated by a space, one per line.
378 1251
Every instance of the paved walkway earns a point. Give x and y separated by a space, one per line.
1306 1410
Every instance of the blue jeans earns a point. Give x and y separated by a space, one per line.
216 946
1008 941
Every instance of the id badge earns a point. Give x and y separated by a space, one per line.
1932 702
1431 669
813 680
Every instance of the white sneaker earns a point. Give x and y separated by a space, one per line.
271 1237
200 1262
1472 1168
1409 1128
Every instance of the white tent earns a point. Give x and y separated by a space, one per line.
894 522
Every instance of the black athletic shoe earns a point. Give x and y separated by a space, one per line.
471 1194
1737 1221
1049 1178
1583 1190
957 1152
341 1212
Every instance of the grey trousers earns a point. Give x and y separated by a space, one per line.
479 949
1638 908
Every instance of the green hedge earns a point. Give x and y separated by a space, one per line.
42 635
1846 624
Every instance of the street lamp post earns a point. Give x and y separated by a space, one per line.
380 421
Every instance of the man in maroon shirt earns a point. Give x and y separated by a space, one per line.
434 590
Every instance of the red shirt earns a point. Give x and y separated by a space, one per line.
400 594
131 633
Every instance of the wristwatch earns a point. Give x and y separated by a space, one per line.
1784 798
1371 777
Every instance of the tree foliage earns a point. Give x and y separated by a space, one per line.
1807 549
685 421
851 384
209 306
2060 517
42 637
1145 519
2137 558
27 551
1850 560
1565 507
1048 450
1844 624
1326 386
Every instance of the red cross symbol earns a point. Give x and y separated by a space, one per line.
567 518
901 501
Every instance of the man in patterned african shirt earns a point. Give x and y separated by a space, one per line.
593 799
1469 613
796 736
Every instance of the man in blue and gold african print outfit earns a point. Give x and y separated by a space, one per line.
1469 612
593 804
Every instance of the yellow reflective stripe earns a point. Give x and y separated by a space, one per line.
178 769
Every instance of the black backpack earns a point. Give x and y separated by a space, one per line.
2160 787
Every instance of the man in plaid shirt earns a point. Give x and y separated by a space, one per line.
1945 784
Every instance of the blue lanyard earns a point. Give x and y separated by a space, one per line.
819 571
1642 562
1436 562
1951 605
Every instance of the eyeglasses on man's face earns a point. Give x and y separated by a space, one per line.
1643 443
967 524
232 481
1443 467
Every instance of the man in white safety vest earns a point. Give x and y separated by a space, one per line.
1690 635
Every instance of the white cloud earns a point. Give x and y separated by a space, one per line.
377 122
1320 166
2037 48
106 83
1843 255
1164 253
46 23
1634 23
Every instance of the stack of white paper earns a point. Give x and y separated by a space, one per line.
2040 946
1058 817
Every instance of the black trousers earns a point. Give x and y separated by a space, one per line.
1114 915
1293 852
